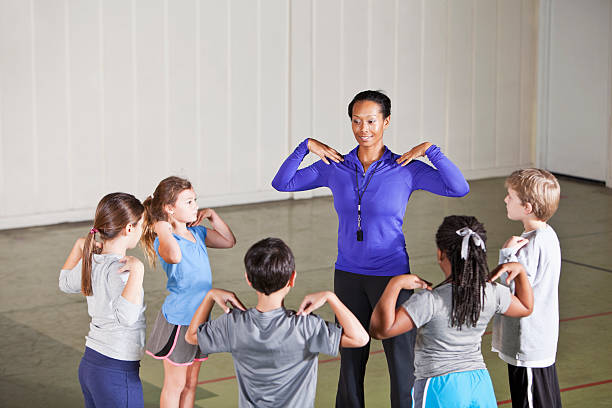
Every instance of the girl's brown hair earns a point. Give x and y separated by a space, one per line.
114 212
165 194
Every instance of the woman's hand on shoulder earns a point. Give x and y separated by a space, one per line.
325 152
415 152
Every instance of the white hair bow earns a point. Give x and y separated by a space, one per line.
466 233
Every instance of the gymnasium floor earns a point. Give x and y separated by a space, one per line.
42 330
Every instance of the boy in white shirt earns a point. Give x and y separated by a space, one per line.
529 344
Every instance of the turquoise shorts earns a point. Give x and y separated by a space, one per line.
465 389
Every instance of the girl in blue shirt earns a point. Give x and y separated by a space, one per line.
371 186
172 234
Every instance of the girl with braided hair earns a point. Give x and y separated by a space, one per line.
451 318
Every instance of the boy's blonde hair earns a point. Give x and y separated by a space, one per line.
537 187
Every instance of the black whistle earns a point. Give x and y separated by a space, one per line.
359 235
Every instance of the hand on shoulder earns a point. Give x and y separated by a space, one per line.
325 152
131 264
415 152
222 297
313 301
515 242
411 281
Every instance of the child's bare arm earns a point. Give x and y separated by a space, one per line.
218 296
353 333
386 320
169 249
221 236
75 254
522 301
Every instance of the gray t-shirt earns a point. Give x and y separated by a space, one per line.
441 349
275 353
117 327
533 338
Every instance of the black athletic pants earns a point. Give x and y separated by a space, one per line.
360 293
534 387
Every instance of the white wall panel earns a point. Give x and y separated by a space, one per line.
214 100
107 95
484 84
434 87
150 120
528 83
184 139
273 89
19 142
50 80
460 71
118 104
245 72
327 115
85 95
355 62
508 83
406 114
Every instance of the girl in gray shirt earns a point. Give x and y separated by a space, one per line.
451 318
112 284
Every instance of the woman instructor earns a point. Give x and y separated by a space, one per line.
371 186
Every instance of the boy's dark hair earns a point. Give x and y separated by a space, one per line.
468 276
379 97
269 264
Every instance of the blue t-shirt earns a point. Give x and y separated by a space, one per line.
188 280
389 186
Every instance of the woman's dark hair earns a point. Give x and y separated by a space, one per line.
375 96
167 192
468 277
114 212
269 264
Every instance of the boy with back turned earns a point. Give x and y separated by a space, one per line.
274 350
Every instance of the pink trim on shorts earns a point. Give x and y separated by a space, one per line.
178 330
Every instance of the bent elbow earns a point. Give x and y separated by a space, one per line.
231 242
278 186
376 334
364 339
463 190
173 258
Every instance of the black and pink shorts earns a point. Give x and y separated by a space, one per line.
167 342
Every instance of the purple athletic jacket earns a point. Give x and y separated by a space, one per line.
383 249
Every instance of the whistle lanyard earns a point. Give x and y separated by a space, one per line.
360 196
